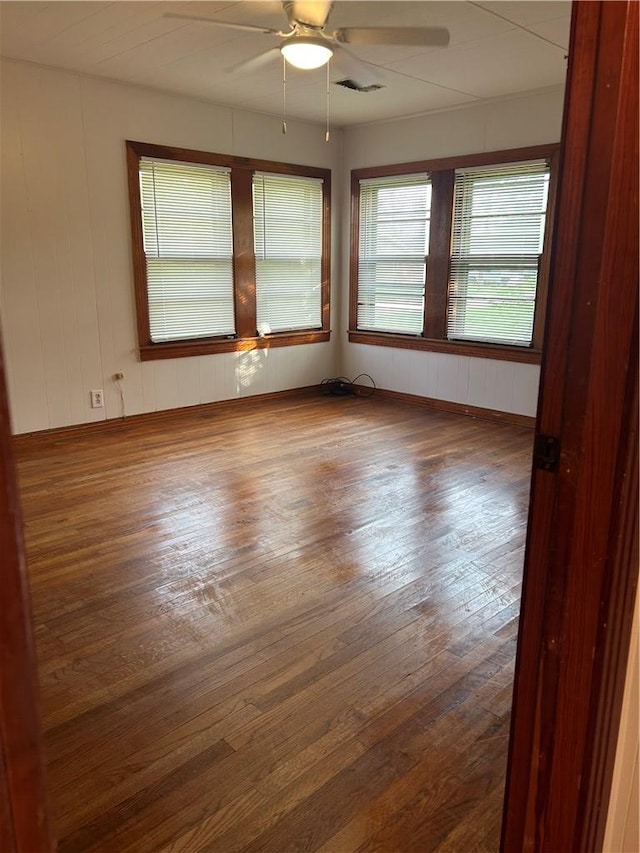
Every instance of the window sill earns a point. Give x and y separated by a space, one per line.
497 351
185 349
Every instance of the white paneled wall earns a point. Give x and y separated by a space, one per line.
66 293
66 296
487 383
532 119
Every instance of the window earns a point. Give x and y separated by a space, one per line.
228 252
287 216
498 233
451 255
393 250
188 249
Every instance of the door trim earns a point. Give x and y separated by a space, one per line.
24 822
581 562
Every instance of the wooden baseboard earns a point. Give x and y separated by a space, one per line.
455 408
27 438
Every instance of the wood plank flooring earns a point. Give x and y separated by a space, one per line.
281 625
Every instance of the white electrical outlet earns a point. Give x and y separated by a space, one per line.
97 399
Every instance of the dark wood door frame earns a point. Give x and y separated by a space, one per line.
581 562
23 810
582 556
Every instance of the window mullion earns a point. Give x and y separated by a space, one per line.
435 314
244 262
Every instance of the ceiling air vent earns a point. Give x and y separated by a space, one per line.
348 83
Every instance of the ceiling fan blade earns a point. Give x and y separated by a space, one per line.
255 63
245 27
353 68
311 12
423 36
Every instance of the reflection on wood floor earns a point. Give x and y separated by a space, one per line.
278 625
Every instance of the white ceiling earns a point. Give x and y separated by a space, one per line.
497 49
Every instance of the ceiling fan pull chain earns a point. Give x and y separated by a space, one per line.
284 95
327 135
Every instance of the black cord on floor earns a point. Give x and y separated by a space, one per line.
370 391
343 387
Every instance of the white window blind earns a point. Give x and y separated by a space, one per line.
498 233
393 248
287 226
188 246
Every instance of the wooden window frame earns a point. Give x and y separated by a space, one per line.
242 170
433 338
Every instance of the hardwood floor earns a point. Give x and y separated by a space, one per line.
282 625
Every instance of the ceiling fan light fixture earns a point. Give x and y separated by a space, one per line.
306 52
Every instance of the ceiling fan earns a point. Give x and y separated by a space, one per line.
309 43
